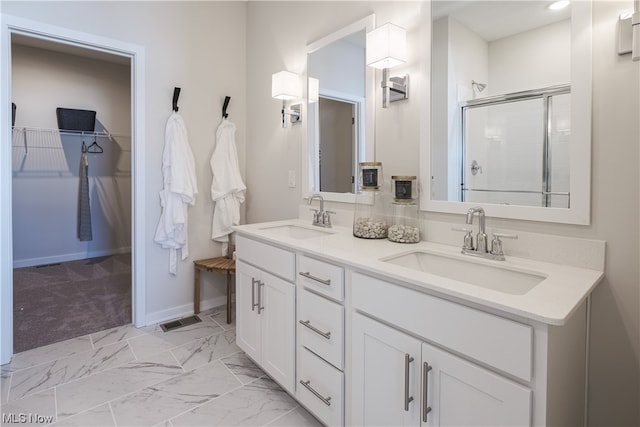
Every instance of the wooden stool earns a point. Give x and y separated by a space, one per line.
219 265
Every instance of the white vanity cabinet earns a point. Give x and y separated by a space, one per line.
422 360
397 379
358 341
265 308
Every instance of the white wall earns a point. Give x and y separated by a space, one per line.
530 60
45 176
200 47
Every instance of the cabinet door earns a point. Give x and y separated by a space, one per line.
278 329
386 375
248 328
461 393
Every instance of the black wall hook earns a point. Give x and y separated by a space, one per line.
176 95
224 106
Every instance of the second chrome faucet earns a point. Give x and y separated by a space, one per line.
481 247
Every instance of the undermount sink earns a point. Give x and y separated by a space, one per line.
297 232
469 271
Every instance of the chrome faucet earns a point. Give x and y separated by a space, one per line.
481 237
321 218
481 248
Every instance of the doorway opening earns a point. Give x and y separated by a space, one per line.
59 148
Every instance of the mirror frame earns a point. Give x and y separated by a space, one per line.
368 154
580 141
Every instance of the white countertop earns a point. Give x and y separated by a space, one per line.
552 301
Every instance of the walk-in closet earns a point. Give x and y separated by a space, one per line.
71 191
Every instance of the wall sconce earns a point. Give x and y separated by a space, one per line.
386 48
286 85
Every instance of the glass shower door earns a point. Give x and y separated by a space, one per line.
516 151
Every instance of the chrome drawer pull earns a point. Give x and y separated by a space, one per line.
253 294
317 279
407 360
425 390
260 306
325 400
307 323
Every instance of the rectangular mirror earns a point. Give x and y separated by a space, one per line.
340 112
510 109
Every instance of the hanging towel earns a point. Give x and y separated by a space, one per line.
227 188
179 190
84 208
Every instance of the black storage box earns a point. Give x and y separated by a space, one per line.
76 120
13 114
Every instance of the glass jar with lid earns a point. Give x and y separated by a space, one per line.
404 219
370 210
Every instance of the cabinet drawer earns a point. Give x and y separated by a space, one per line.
321 388
269 258
496 341
321 327
326 279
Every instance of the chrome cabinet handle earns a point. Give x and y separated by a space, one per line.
325 400
253 294
407 360
307 323
425 390
317 279
260 306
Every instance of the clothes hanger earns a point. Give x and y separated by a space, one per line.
94 148
84 147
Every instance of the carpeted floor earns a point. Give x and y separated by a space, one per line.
60 301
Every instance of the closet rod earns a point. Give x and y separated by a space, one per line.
74 133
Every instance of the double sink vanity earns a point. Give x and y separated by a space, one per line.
370 332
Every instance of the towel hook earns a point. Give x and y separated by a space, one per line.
224 107
176 95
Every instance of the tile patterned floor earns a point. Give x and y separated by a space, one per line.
192 376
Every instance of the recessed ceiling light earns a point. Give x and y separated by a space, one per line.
559 5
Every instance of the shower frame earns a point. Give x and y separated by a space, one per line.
545 94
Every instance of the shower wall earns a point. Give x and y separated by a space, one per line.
46 164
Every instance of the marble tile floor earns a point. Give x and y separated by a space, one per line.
192 376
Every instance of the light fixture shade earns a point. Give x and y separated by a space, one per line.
285 85
313 90
386 46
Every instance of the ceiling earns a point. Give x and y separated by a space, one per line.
69 49
493 20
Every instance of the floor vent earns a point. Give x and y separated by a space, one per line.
47 265
175 324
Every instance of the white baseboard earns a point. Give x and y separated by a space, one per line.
182 311
30 262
